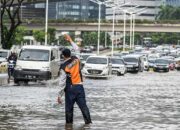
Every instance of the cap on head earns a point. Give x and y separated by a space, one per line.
66 53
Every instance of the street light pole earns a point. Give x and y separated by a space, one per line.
46 24
131 22
124 38
133 29
113 32
99 27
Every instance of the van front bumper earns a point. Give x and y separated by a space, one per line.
31 75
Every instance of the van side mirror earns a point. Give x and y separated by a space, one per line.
52 58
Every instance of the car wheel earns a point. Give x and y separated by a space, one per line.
154 70
118 74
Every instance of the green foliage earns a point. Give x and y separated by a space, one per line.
20 32
62 40
165 38
51 35
169 13
39 35
90 38
17 36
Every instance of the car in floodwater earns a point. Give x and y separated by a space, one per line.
97 66
84 57
118 66
134 63
161 65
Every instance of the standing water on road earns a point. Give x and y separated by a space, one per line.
144 101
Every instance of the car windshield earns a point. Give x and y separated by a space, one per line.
133 60
117 61
34 55
96 60
151 61
3 54
85 57
162 61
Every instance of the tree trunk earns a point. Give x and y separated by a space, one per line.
7 31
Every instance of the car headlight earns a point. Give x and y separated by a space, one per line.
45 69
105 67
167 66
18 67
87 67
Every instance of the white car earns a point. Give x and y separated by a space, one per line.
97 66
84 56
118 66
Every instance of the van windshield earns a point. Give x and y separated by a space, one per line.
93 60
34 55
3 54
133 60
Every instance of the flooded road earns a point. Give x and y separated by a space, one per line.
144 101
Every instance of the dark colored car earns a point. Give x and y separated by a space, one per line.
134 63
161 65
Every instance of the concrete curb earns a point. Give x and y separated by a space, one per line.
3 79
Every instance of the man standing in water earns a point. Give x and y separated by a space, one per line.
71 78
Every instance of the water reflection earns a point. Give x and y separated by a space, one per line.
139 102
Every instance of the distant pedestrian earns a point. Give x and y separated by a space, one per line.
71 78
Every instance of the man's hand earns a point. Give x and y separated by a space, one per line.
68 38
59 100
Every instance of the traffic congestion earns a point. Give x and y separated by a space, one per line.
47 61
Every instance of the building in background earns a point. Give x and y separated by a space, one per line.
78 9
152 9
71 9
32 11
172 2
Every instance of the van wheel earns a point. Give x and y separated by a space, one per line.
16 82
50 76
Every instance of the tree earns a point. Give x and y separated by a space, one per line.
18 35
39 35
51 35
90 38
13 17
168 13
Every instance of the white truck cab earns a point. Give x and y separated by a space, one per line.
37 63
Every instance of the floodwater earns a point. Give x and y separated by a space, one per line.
144 101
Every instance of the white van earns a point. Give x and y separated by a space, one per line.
37 63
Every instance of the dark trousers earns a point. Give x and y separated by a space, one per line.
76 94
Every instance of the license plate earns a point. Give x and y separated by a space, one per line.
95 72
30 76
161 67
129 65
114 72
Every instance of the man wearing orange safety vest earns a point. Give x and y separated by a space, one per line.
71 78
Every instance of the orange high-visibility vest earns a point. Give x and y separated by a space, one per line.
72 69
